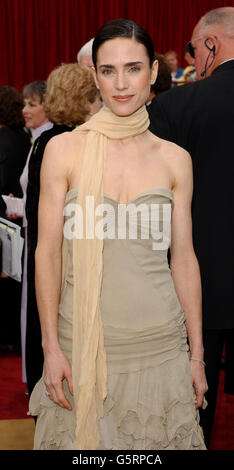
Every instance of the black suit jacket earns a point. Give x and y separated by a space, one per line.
14 147
200 118
2 207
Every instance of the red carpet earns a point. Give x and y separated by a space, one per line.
223 430
14 402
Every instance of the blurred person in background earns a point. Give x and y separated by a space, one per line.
37 121
172 60
189 74
14 141
14 148
71 98
84 56
163 80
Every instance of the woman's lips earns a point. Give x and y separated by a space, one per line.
122 99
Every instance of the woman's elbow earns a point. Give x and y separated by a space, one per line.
185 256
46 253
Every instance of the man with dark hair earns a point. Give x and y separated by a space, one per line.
199 117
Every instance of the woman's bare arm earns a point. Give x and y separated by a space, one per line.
48 265
185 269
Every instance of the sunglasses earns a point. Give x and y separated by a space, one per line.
191 49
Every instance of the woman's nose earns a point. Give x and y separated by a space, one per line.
121 81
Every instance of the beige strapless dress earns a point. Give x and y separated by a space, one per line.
150 401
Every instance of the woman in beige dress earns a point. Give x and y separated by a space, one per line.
116 320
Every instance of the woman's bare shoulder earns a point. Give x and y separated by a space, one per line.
170 149
177 160
65 150
66 142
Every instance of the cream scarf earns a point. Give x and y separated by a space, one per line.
88 353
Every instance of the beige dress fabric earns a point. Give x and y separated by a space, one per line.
150 401
88 356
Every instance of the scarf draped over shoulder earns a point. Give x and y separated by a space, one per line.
89 369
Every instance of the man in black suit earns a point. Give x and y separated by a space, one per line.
200 118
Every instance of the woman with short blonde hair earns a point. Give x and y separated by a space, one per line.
70 91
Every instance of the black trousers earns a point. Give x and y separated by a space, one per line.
214 341
10 299
34 354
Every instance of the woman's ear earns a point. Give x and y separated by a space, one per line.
95 77
154 72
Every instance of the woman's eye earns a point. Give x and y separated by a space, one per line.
134 69
106 72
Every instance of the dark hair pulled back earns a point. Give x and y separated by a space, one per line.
122 28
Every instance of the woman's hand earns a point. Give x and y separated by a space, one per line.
56 369
199 381
3 275
12 216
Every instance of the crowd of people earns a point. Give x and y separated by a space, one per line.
122 344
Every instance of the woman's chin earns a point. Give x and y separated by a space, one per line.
124 109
